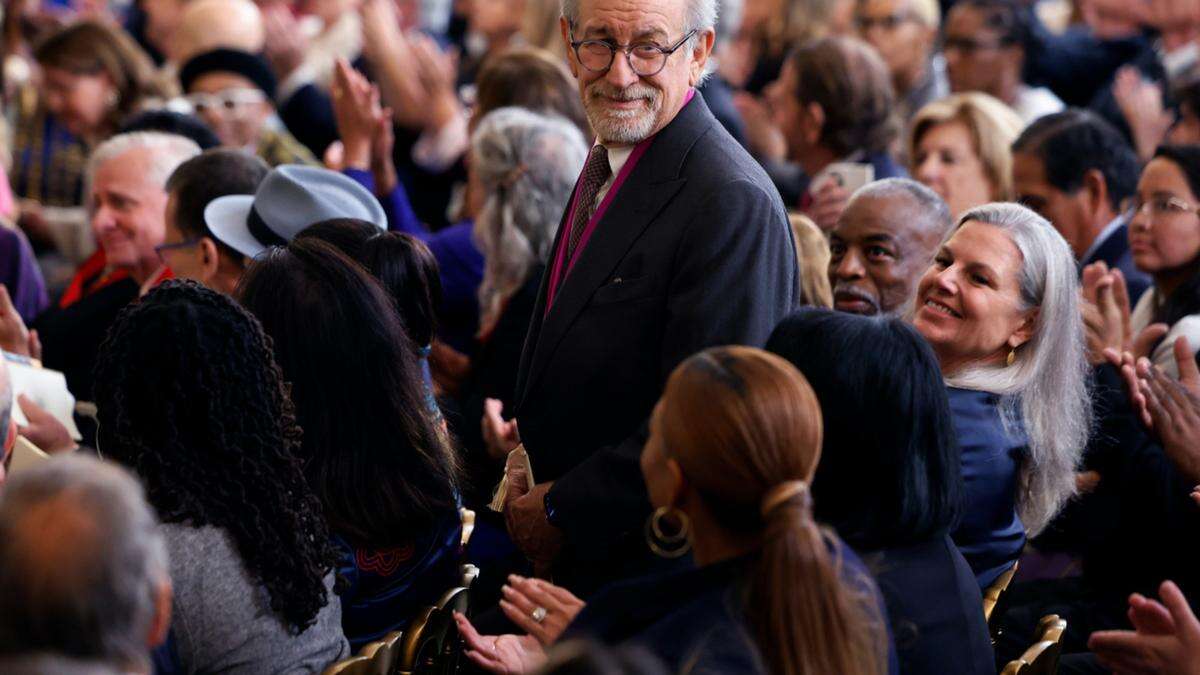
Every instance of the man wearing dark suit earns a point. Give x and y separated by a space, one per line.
674 240
1075 169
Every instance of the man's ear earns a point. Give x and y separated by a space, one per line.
1095 190
161 624
210 258
564 28
700 53
815 124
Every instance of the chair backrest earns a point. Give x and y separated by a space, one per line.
992 594
1042 657
415 643
355 665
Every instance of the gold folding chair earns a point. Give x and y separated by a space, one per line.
992 595
1042 657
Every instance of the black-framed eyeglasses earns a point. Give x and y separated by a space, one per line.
644 58
970 46
186 243
889 22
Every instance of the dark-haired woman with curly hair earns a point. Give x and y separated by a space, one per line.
189 396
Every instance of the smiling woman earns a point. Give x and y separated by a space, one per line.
1000 308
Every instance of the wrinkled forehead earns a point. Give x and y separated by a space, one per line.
631 19
897 215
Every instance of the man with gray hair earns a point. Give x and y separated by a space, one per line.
884 241
674 240
83 568
127 178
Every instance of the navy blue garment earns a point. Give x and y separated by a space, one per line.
990 534
693 620
719 96
1115 253
381 590
934 608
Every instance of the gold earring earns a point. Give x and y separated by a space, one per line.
668 545
1012 356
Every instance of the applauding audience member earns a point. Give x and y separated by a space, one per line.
383 471
959 146
1164 237
189 248
128 176
208 426
833 102
1000 306
1165 639
897 516
734 442
883 243
114 605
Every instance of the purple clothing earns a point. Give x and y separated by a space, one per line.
20 275
460 262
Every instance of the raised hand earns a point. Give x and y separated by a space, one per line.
1175 412
1166 643
14 336
358 113
500 436
523 596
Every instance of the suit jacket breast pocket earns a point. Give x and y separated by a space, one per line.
623 289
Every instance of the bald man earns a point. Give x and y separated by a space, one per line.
83 568
884 241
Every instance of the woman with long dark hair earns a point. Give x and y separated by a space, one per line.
372 452
1164 238
190 398
889 480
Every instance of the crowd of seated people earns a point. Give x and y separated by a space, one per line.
768 336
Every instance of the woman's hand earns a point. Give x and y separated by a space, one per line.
522 597
500 436
505 654
1165 639
1141 104
1174 409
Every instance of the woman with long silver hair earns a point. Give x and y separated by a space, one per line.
524 164
1000 306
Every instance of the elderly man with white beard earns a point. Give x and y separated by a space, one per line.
674 240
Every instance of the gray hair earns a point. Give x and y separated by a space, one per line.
700 15
528 164
933 209
1046 388
168 151
81 562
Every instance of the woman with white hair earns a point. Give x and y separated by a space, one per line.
525 165
1000 307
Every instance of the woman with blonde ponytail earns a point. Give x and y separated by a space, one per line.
734 443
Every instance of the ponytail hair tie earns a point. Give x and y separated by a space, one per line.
782 494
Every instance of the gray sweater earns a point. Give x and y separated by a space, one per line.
222 621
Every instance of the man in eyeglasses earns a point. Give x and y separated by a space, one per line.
674 240
904 32
233 92
984 45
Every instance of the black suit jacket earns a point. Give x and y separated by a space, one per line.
694 251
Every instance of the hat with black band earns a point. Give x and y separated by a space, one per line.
291 198
250 66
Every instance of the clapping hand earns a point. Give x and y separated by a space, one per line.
1141 103
500 436
1165 639
504 654
1107 318
358 113
828 203
523 598
14 336
1174 408
284 44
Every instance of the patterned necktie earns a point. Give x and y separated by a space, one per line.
595 173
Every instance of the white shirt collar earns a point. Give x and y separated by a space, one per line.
1109 230
616 158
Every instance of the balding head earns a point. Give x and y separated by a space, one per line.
83 567
883 242
218 24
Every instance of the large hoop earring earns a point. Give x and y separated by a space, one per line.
668 545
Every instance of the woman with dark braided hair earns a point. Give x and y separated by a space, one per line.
372 452
189 396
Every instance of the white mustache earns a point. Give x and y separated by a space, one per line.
633 92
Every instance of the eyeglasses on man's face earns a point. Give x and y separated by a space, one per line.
646 59
225 102
888 22
162 248
970 46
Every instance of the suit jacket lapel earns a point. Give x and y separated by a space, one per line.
650 186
